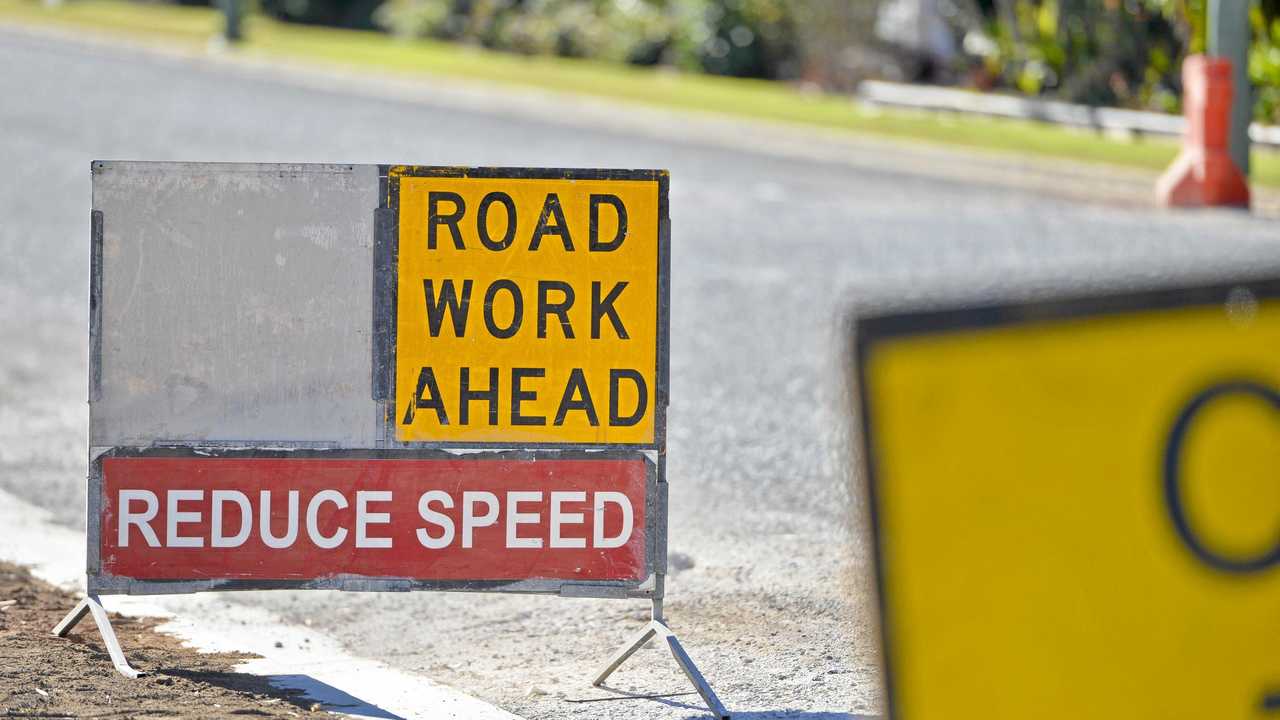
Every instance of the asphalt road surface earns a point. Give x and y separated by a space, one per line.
770 250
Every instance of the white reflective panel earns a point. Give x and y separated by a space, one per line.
236 303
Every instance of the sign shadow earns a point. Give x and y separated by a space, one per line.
301 691
329 697
698 711
799 715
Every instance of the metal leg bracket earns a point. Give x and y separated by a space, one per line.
91 605
657 628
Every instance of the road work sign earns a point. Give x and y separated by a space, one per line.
1076 507
377 377
529 306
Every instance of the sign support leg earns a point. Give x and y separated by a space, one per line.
92 605
657 627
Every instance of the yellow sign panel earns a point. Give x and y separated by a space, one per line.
530 306
1077 507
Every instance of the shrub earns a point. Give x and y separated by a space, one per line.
750 38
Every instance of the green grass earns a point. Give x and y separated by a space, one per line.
192 27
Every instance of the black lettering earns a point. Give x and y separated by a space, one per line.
1259 562
517 314
600 308
426 382
466 396
560 309
577 385
520 395
482 221
435 219
551 210
642 393
593 241
448 301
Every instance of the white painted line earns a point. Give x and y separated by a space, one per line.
307 660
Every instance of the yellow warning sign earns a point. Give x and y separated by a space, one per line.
530 306
1077 507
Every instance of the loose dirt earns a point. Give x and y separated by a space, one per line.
42 676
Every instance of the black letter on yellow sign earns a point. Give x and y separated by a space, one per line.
435 219
426 382
520 395
1172 478
604 307
551 210
517 303
577 385
482 221
559 309
642 393
466 396
594 244
449 301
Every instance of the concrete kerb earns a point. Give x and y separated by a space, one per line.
290 656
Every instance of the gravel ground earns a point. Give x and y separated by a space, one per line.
43 677
773 243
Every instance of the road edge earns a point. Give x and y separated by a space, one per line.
1072 180
291 657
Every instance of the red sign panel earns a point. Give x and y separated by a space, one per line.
465 519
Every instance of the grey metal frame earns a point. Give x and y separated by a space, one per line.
657 627
384 208
383 205
93 605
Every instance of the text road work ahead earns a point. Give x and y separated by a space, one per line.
527 310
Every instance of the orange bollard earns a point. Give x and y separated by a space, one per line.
1203 175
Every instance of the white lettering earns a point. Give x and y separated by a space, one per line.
364 518
516 518
142 519
619 499
264 521
218 498
559 518
469 519
448 519
313 511
431 516
174 518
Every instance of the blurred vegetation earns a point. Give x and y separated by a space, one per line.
745 38
1110 53
1125 53
1100 52
355 52
811 40
1264 59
